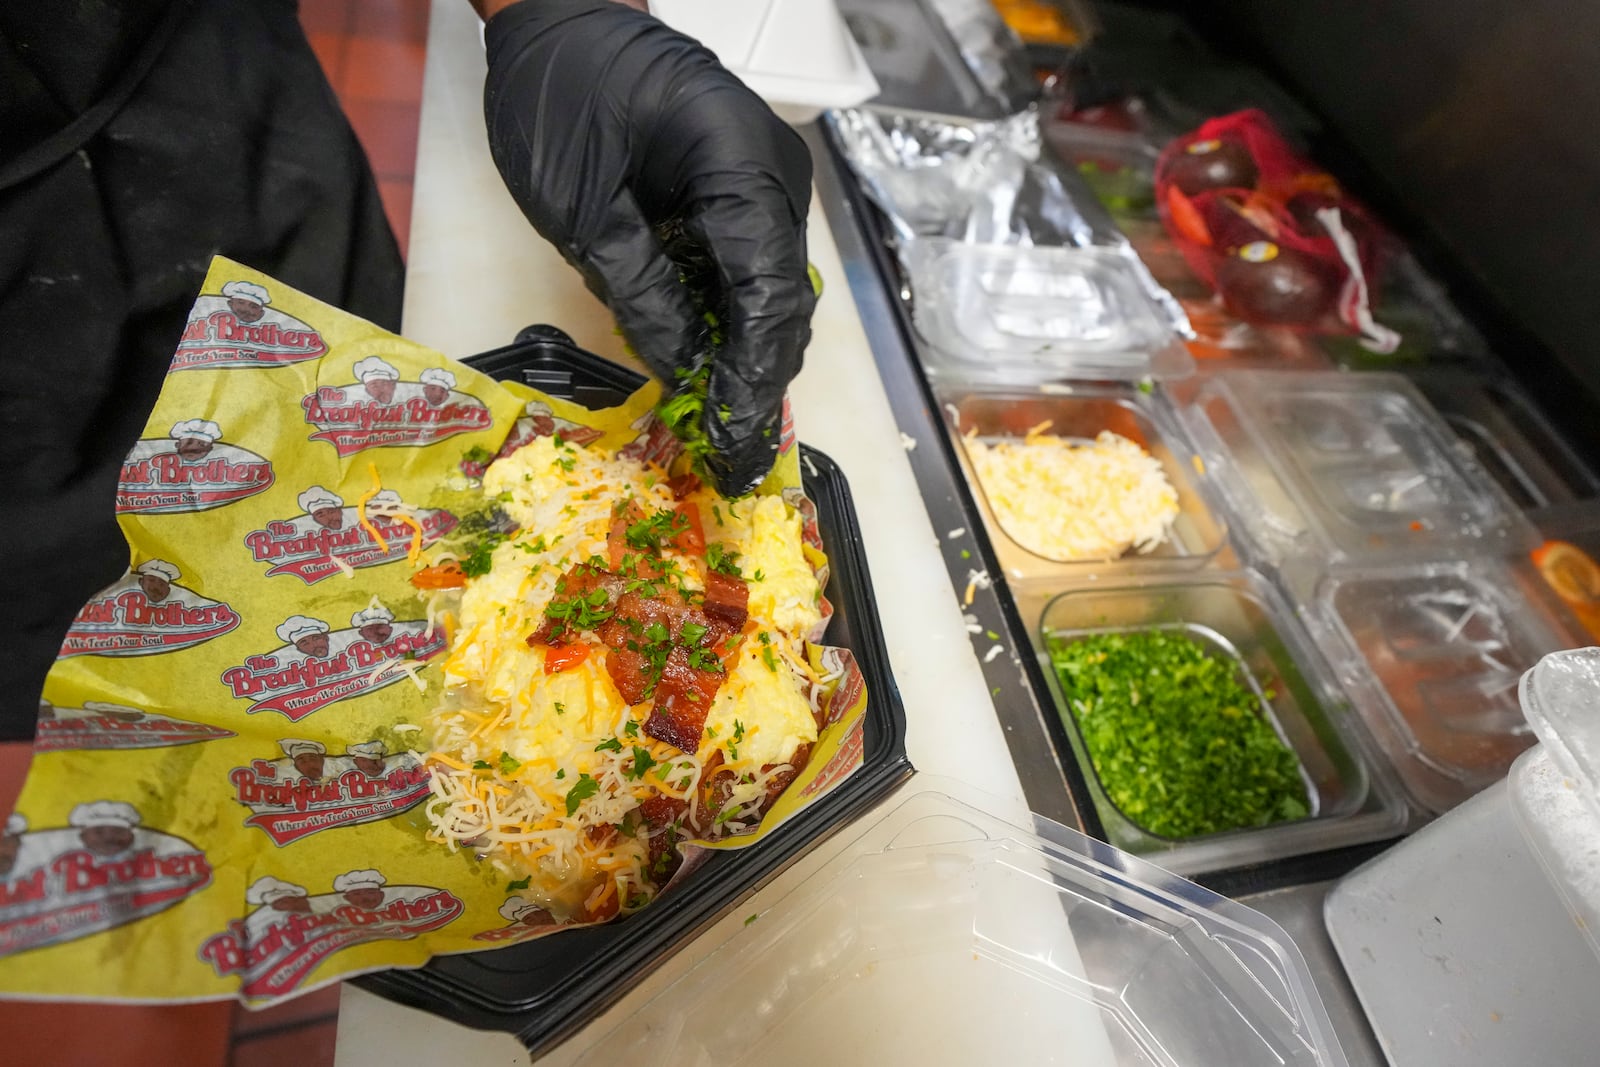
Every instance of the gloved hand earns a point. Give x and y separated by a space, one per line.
606 126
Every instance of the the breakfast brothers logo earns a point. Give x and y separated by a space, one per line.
379 410
191 469
239 329
317 665
525 921
276 947
329 537
307 789
103 725
103 869
146 613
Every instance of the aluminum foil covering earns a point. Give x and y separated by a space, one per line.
981 183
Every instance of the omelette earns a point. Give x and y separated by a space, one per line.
627 669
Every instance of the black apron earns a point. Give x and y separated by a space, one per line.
137 139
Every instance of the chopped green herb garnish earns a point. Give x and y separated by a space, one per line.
481 557
561 772
769 659
1180 743
585 788
720 558
748 919
509 763
481 765
691 633
520 883
610 744
632 729
991 635
561 709
477 454
642 762
758 576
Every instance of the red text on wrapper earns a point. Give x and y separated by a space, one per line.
157 480
145 615
296 681
55 888
307 546
401 415
217 336
273 952
344 791
99 725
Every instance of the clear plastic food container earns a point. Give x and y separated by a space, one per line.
1323 468
945 934
1118 167
1508 435
1021 315
1079 413
1434 653
1238 617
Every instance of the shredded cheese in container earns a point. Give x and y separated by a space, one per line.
1071 501
549 773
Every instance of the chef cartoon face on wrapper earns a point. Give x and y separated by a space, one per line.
104 826
155 578
367 757
247 300
378 377
526 912
361 889
436 385
308 635
308 756
274 893
374 623
325 507
195 438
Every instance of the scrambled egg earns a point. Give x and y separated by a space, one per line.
526 761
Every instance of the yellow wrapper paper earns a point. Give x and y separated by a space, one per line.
225 796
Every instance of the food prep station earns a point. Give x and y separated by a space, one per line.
1358 537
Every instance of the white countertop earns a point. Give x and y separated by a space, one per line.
477 274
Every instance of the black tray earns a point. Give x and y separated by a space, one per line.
543 991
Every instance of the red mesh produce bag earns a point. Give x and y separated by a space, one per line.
1273 234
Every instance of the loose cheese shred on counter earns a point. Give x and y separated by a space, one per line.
1075 501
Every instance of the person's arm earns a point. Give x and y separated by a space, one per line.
608 127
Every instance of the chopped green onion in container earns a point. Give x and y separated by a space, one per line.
1181 745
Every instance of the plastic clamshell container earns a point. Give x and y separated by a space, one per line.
1239 617
1508 435
1119 167
1555 788
796 55
1018 315
1079 413
1434 653
545 989
945 934
1322 468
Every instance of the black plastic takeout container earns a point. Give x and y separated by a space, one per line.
543 991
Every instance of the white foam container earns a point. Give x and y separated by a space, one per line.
796 55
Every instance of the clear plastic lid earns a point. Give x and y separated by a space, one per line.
1324 467
944 934
1017 315
1435 652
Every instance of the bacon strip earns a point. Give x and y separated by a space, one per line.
727 599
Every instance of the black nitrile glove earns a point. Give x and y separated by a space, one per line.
609 127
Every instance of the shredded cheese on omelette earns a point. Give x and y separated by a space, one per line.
1075 501
544 768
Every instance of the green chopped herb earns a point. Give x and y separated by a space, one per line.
520 883
656 633
509 763
721 558
481 556
610 744
769 659
585 788
738 730
632 729
748 919
691 633
1179 742
561 442
561 772
991 635
561 709
567 463
477 454
758 576
966 553
481 765
642 762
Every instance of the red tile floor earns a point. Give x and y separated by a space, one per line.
372 52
